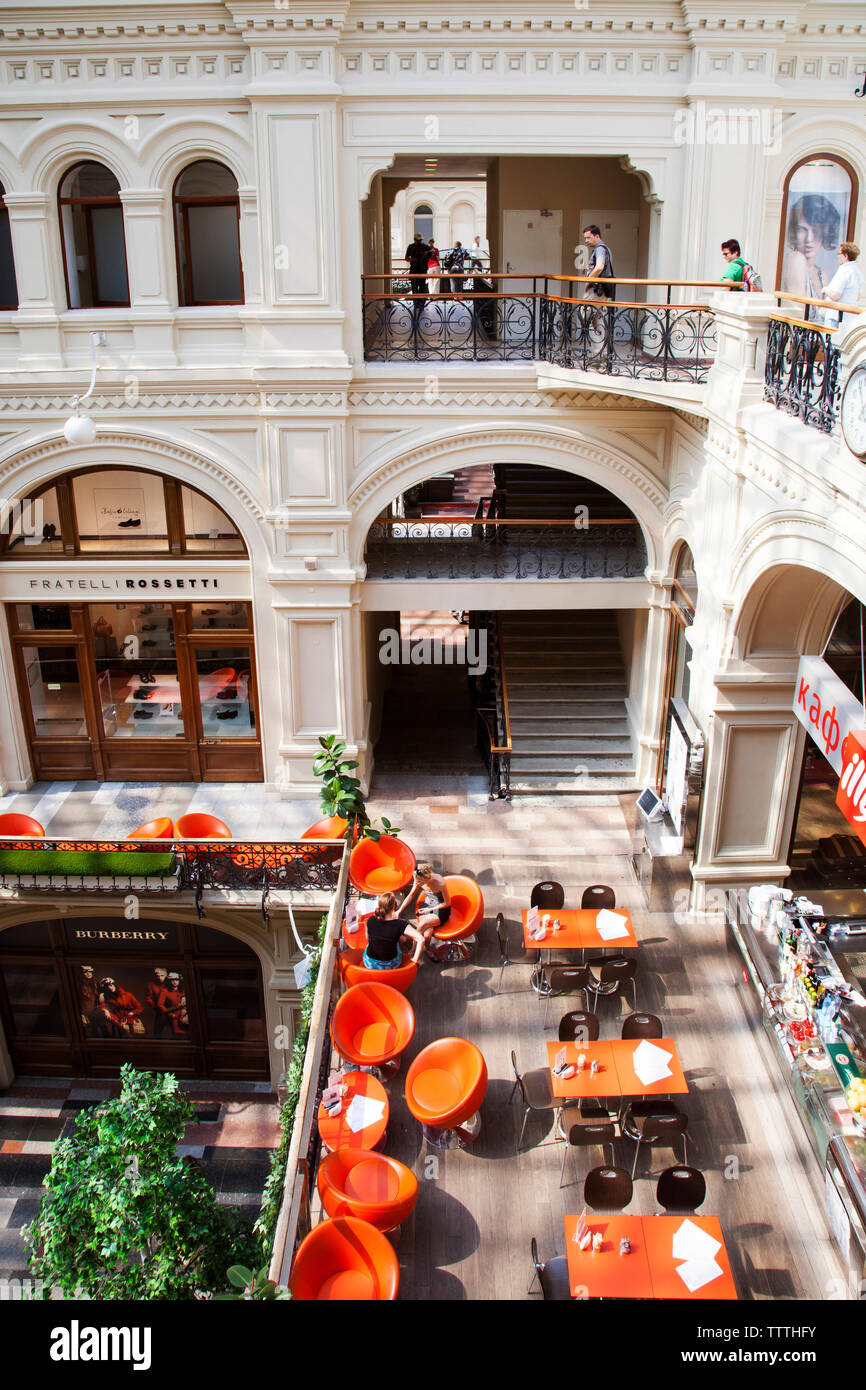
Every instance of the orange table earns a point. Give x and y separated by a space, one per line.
617 1076
335 1132
650 1269
578 931
357 938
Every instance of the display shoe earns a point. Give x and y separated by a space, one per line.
228 692
130 521
141 693
49 531
227 714
149 679
208 612
144 713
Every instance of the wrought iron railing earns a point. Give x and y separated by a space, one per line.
493 719
301 865
801 370
504 548
546 318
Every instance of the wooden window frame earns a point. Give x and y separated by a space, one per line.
88 203
180 204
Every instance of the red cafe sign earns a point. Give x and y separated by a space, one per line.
835 720
851 793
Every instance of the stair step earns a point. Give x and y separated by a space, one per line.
585 724
569 696
596 745
564 661
556 785
565 763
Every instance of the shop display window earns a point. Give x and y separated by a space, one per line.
31 527
818 213
219 616
136 670
43 617
131 1000
207 529
224 676
54 691
34 1000
118 509
232 1004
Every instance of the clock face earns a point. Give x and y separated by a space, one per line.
853 412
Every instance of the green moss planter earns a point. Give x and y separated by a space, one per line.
86 863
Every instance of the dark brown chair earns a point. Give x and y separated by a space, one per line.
547 895
578 1026
607 1189
562 979
607 977
552 1275
597 896
654 1122
536 1091
681 1189
584 1128
642 1026
528 957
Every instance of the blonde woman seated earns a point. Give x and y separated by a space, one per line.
432 902
384 932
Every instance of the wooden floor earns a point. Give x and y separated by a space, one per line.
469 1237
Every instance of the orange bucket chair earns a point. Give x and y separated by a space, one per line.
21 827
160 829
445 1086
371 1186
355 972
372 1025
381 866
199 826
467 914
344 1259
331 828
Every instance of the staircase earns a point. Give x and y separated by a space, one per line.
567 689
538 493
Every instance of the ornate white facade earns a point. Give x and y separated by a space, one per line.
269 407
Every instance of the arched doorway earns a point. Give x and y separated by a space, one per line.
81 995
131 649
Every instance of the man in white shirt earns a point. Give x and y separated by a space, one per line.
846 287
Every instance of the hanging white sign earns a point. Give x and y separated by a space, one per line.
826 708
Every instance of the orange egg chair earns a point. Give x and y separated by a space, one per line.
354 971
381 866
344 1259
371 1186
372 1025
331 828
445 1086
160 829
21 827
199 826
467 914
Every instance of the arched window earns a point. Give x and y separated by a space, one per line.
94 245
207 235
818 211
8 283
424 221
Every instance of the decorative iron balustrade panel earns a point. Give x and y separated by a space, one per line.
441 329
675 343
801 373
237 864
439 550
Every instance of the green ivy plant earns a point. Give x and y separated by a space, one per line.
124 1217
341 794
253 1284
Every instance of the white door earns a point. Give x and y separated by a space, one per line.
531 245
619 231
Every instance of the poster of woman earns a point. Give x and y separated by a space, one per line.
815 220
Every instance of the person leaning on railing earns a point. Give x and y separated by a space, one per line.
846 286
731 277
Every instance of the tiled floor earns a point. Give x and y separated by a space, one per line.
236 1129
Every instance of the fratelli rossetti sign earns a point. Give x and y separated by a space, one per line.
124 584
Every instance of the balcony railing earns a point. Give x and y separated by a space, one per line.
801 373
466 548
509 318
157 866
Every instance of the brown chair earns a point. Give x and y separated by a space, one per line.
528 957
583 1129
578 1026
562 979
681 1189
552 1275
597 896
642 1026
547 895
654 1122
607 1189
607 977
536 1091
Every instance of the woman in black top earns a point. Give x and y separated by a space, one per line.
384 931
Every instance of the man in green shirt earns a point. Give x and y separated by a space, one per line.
733 271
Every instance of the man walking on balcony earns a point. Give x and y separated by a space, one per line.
418 254
732 275
600 265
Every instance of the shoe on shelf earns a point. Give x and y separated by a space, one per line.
228 692
227 714
130 521
142 693
144 714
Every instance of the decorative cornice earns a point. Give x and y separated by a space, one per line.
539 400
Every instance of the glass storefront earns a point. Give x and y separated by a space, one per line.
83 996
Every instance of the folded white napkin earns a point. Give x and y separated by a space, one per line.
651 1062
696 1273
611 926
364 1111
693 1243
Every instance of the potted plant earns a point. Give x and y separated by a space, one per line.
341 794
